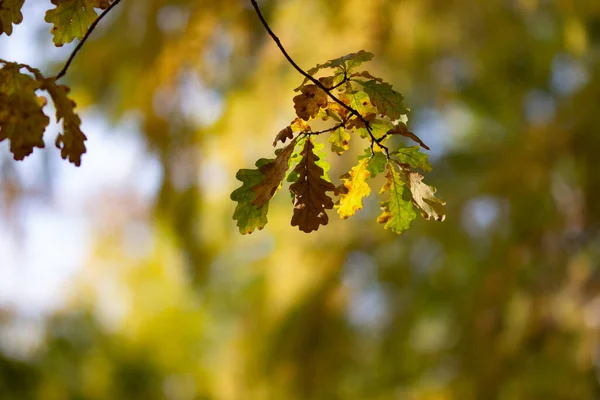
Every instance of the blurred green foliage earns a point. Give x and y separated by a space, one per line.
501 301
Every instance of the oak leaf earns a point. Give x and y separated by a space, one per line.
412 157
297 125
22 120
424 199
387 100
401 129
339 139
248 216
10 13
357 187
71 140
308 103
397 212
71 19
310 192
274 172
345 63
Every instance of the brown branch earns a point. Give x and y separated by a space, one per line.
315 81
63 71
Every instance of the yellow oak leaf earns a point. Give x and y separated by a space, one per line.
357 187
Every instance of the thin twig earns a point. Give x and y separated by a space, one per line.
87 35
315 81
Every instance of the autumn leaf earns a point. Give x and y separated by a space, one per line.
22 120
339 139
274 172
10 13
310 197
412 157
308 103
102 4
360 101
402 129
71 19
297 125
387 100
248 216
71 140
397 212
376 162
347 63
424 199
357 187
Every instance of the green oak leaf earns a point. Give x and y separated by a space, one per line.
413 157
10 13
347 62
377 162
397 212
339 140
247 215
387 100
71 19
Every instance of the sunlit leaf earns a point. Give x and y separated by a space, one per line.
310 193
308 103
71 19
387 100
248 216
402 130
274 172
423 197
413 157
357 188
397 212
339 140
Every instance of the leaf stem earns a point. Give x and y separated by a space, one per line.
316 82
63 71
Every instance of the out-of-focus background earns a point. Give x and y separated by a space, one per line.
127 278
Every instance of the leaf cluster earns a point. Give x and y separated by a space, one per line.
356 104
22 119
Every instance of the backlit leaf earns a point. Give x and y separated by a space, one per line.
413 157
424 199
357 188
397 212
248 216
308 103
10 13
339 140
376 162
71 19
310 193
71 140
274 172
402 129
387 100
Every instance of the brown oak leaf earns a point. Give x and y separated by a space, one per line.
402 130
310 192
308 103
274 173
